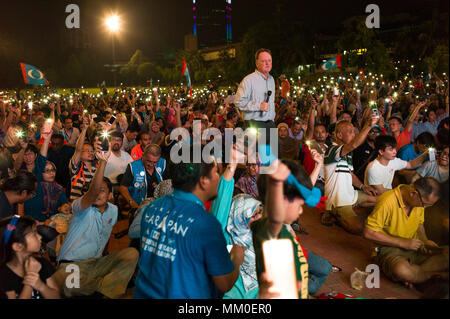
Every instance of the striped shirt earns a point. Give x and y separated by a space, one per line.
338 178
80 179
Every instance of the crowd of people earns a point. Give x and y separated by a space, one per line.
72 165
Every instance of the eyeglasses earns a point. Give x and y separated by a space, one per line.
422 202
50 170
375 132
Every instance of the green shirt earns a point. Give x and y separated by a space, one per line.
261 233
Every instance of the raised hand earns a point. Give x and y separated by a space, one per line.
281 171
102 156
316 156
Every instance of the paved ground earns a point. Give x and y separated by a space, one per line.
339 247
346 251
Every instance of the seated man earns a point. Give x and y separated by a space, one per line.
437 169
142 176
380 172
396 225
89 232
340 180
183 251
420 145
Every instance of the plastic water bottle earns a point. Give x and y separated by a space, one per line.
357 279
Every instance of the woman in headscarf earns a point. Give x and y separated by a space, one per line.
288 146
244 210
156 135
49 196
247 182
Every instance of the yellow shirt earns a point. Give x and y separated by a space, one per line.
389 216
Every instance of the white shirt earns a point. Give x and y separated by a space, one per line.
378 174
117 165
338 178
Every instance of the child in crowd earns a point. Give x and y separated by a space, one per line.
21 275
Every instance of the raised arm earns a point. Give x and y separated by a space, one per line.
95 187
359 139
409 124
80 142
310 130
275 207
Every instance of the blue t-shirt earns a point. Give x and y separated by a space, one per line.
89 232
182 247
407 153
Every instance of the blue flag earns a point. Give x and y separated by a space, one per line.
331 64
32 75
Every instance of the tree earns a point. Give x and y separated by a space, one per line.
357 36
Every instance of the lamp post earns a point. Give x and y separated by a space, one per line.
113 25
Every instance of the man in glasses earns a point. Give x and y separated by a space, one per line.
403 250
141 176
82 165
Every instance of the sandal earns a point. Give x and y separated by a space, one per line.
327 219
335 268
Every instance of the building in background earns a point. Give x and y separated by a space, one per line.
212 22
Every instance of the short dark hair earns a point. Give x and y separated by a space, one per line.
383 141
289 191
185 176
58 136
32 148
116 134
108 183
425 138
22 181
427 186
259 51
396 118
133 129
139 137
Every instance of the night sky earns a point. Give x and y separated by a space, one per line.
160 25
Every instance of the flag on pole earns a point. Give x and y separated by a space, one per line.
32 75
429 74
360 76
185 72
331 64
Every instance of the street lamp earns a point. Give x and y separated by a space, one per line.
113 25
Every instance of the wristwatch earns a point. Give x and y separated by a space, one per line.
361 187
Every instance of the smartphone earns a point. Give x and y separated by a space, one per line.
432 154
103 137
336 91
280 267
111 120
375 111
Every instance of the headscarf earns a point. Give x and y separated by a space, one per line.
289 147
155 137
242 210
50 193
247 183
